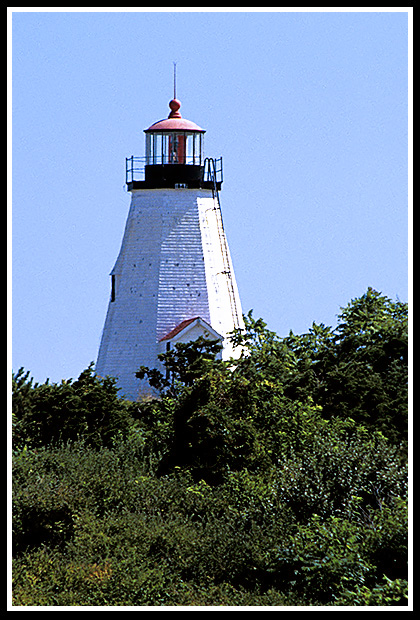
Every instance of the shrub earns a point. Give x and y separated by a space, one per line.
87 408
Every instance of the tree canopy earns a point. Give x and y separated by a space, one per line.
276 479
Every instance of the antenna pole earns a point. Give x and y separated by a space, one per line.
174 80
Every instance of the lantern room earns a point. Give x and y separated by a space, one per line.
174 140
174 156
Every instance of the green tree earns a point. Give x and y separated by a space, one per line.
184 363
358 370
369 377
58 412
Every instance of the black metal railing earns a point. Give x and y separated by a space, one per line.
213 170
135 167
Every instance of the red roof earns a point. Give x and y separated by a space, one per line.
174 122
179 328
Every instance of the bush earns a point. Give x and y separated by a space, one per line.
87 408
98 527
338 560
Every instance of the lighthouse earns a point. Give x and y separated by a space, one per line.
173 280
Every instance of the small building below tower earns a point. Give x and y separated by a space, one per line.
188 331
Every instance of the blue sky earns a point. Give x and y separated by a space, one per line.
308 109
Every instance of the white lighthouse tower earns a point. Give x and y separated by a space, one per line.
173 280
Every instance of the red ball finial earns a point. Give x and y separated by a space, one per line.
174 105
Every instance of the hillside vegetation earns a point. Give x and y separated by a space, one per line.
280 480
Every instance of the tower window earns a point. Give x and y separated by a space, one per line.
112 288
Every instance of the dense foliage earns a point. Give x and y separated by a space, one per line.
276 480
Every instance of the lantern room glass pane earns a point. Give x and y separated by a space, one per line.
197 149
165 145
189 148
148 148
157 148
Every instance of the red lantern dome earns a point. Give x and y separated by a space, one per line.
174 122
